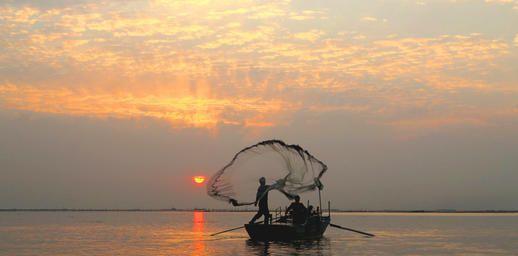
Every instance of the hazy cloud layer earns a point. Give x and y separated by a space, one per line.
411 70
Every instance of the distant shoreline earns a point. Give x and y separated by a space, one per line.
231 210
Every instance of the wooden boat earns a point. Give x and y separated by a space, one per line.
313 228
283 228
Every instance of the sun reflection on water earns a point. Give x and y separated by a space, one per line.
198 222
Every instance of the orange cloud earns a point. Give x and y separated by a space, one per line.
186 62
187 111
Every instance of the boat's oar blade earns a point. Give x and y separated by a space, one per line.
228 230
350 229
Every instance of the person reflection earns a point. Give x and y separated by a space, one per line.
258 248
318 247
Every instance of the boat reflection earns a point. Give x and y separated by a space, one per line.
198 222
314 247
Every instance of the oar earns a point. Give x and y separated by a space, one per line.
232 229
350 229
228 230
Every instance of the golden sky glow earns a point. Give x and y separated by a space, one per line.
109 103
253 63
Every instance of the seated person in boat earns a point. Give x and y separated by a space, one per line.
261 198
310 211
298 211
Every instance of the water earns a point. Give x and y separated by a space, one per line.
187 233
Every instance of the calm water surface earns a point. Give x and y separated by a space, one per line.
187 233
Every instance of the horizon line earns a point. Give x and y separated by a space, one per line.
239 210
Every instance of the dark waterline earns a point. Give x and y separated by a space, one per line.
240 210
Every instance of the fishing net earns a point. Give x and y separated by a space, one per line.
287 168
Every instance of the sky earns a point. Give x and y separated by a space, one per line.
412 104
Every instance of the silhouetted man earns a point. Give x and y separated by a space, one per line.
262 198
298 211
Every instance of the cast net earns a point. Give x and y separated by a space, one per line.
289 169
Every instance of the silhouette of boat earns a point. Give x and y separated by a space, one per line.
283 229
313 228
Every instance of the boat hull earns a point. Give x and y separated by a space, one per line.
313 229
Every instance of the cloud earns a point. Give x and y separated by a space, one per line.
311 35
187 111
369 19
275 58
514 3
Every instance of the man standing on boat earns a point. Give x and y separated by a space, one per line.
261 198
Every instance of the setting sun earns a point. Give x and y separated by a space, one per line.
198 179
